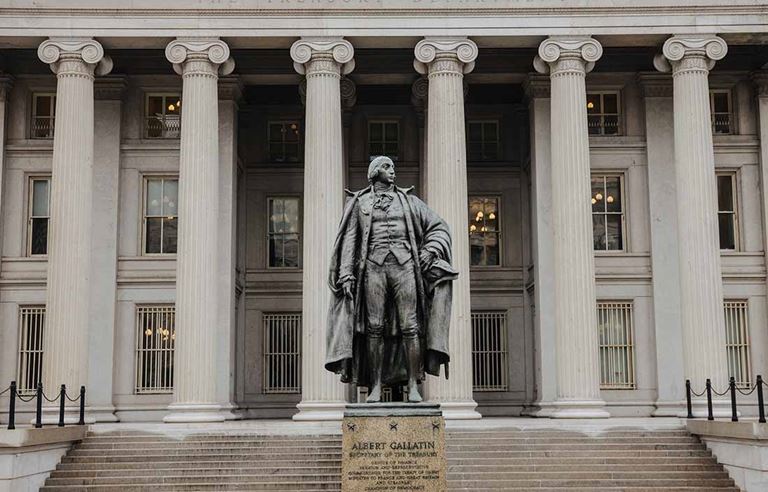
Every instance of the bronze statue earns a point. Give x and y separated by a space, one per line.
391 279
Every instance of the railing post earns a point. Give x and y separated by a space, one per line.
760 402
732 389
62 397
12 407
688 398
710 416
39 410
82 406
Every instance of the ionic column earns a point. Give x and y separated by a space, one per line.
419 95
6 82
199 61
690 58
322 61
445 61
760 80
567 60
75 61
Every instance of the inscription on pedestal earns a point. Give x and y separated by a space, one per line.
393 453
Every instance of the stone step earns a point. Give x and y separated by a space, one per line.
571 439
620 489
151 465
246 469
207 451
503 433
586 461
209 444
596 468
195 478
650 483
149 436
586 475
604 453
133 458
574 446
281 486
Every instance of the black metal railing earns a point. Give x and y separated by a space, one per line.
732 390
39 396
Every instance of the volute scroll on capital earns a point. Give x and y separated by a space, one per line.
585 51
339 49
428 49
87 50
710 47
214 50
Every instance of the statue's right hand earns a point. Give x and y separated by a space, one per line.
347 288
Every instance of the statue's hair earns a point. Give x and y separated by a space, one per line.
376 163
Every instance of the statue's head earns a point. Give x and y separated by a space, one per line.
381 169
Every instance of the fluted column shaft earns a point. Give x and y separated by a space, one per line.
444 61
65 340
6 82
194 393
578 382
701 289
323 61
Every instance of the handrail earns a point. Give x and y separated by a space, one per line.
39 395
732 391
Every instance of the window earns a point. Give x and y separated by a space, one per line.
489 351
163 116
720 106
483 141
283 137
737 342
726 211
484 231
161 215
283 235
603 113
39 216
31 325
282 353
383 139
43 113
616 347
607 213
155 340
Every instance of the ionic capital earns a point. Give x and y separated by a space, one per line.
6 83
348 93
567 54
690 53
760 79
319 54
445 54
420 92
200 56
74 57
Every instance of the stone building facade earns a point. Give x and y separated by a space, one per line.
171 180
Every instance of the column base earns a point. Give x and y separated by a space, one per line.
230 411
193 412
669 409
539 410
71 417
720 409
310 411
579 409
459 410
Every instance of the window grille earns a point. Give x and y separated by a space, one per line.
603 113
161 215
720 106
383 139
282 353
31 326
483 141
489 351
43 115
484 231
284 232
607 213
283 140
39 215
737 342
163 116
727 218
155 340
616 345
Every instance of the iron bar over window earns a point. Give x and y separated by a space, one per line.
603 113
155 341
489 351
720 107
43 115
282 352
616 346
163 116
31 326
737 342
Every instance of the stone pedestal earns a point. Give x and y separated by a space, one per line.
701 283
445 61
323 61
199 62
393 447
75 61
567 60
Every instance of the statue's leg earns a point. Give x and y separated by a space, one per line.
406 306
375 294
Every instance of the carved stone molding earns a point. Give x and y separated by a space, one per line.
75 56
445 54
655 84
110 88
559 54
685 53
337 53
537 87
213 52
760 79
230 88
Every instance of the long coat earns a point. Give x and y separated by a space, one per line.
345 336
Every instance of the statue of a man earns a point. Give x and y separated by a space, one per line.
391 279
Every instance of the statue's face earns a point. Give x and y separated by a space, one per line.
386 173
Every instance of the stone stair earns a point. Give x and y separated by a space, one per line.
504 459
